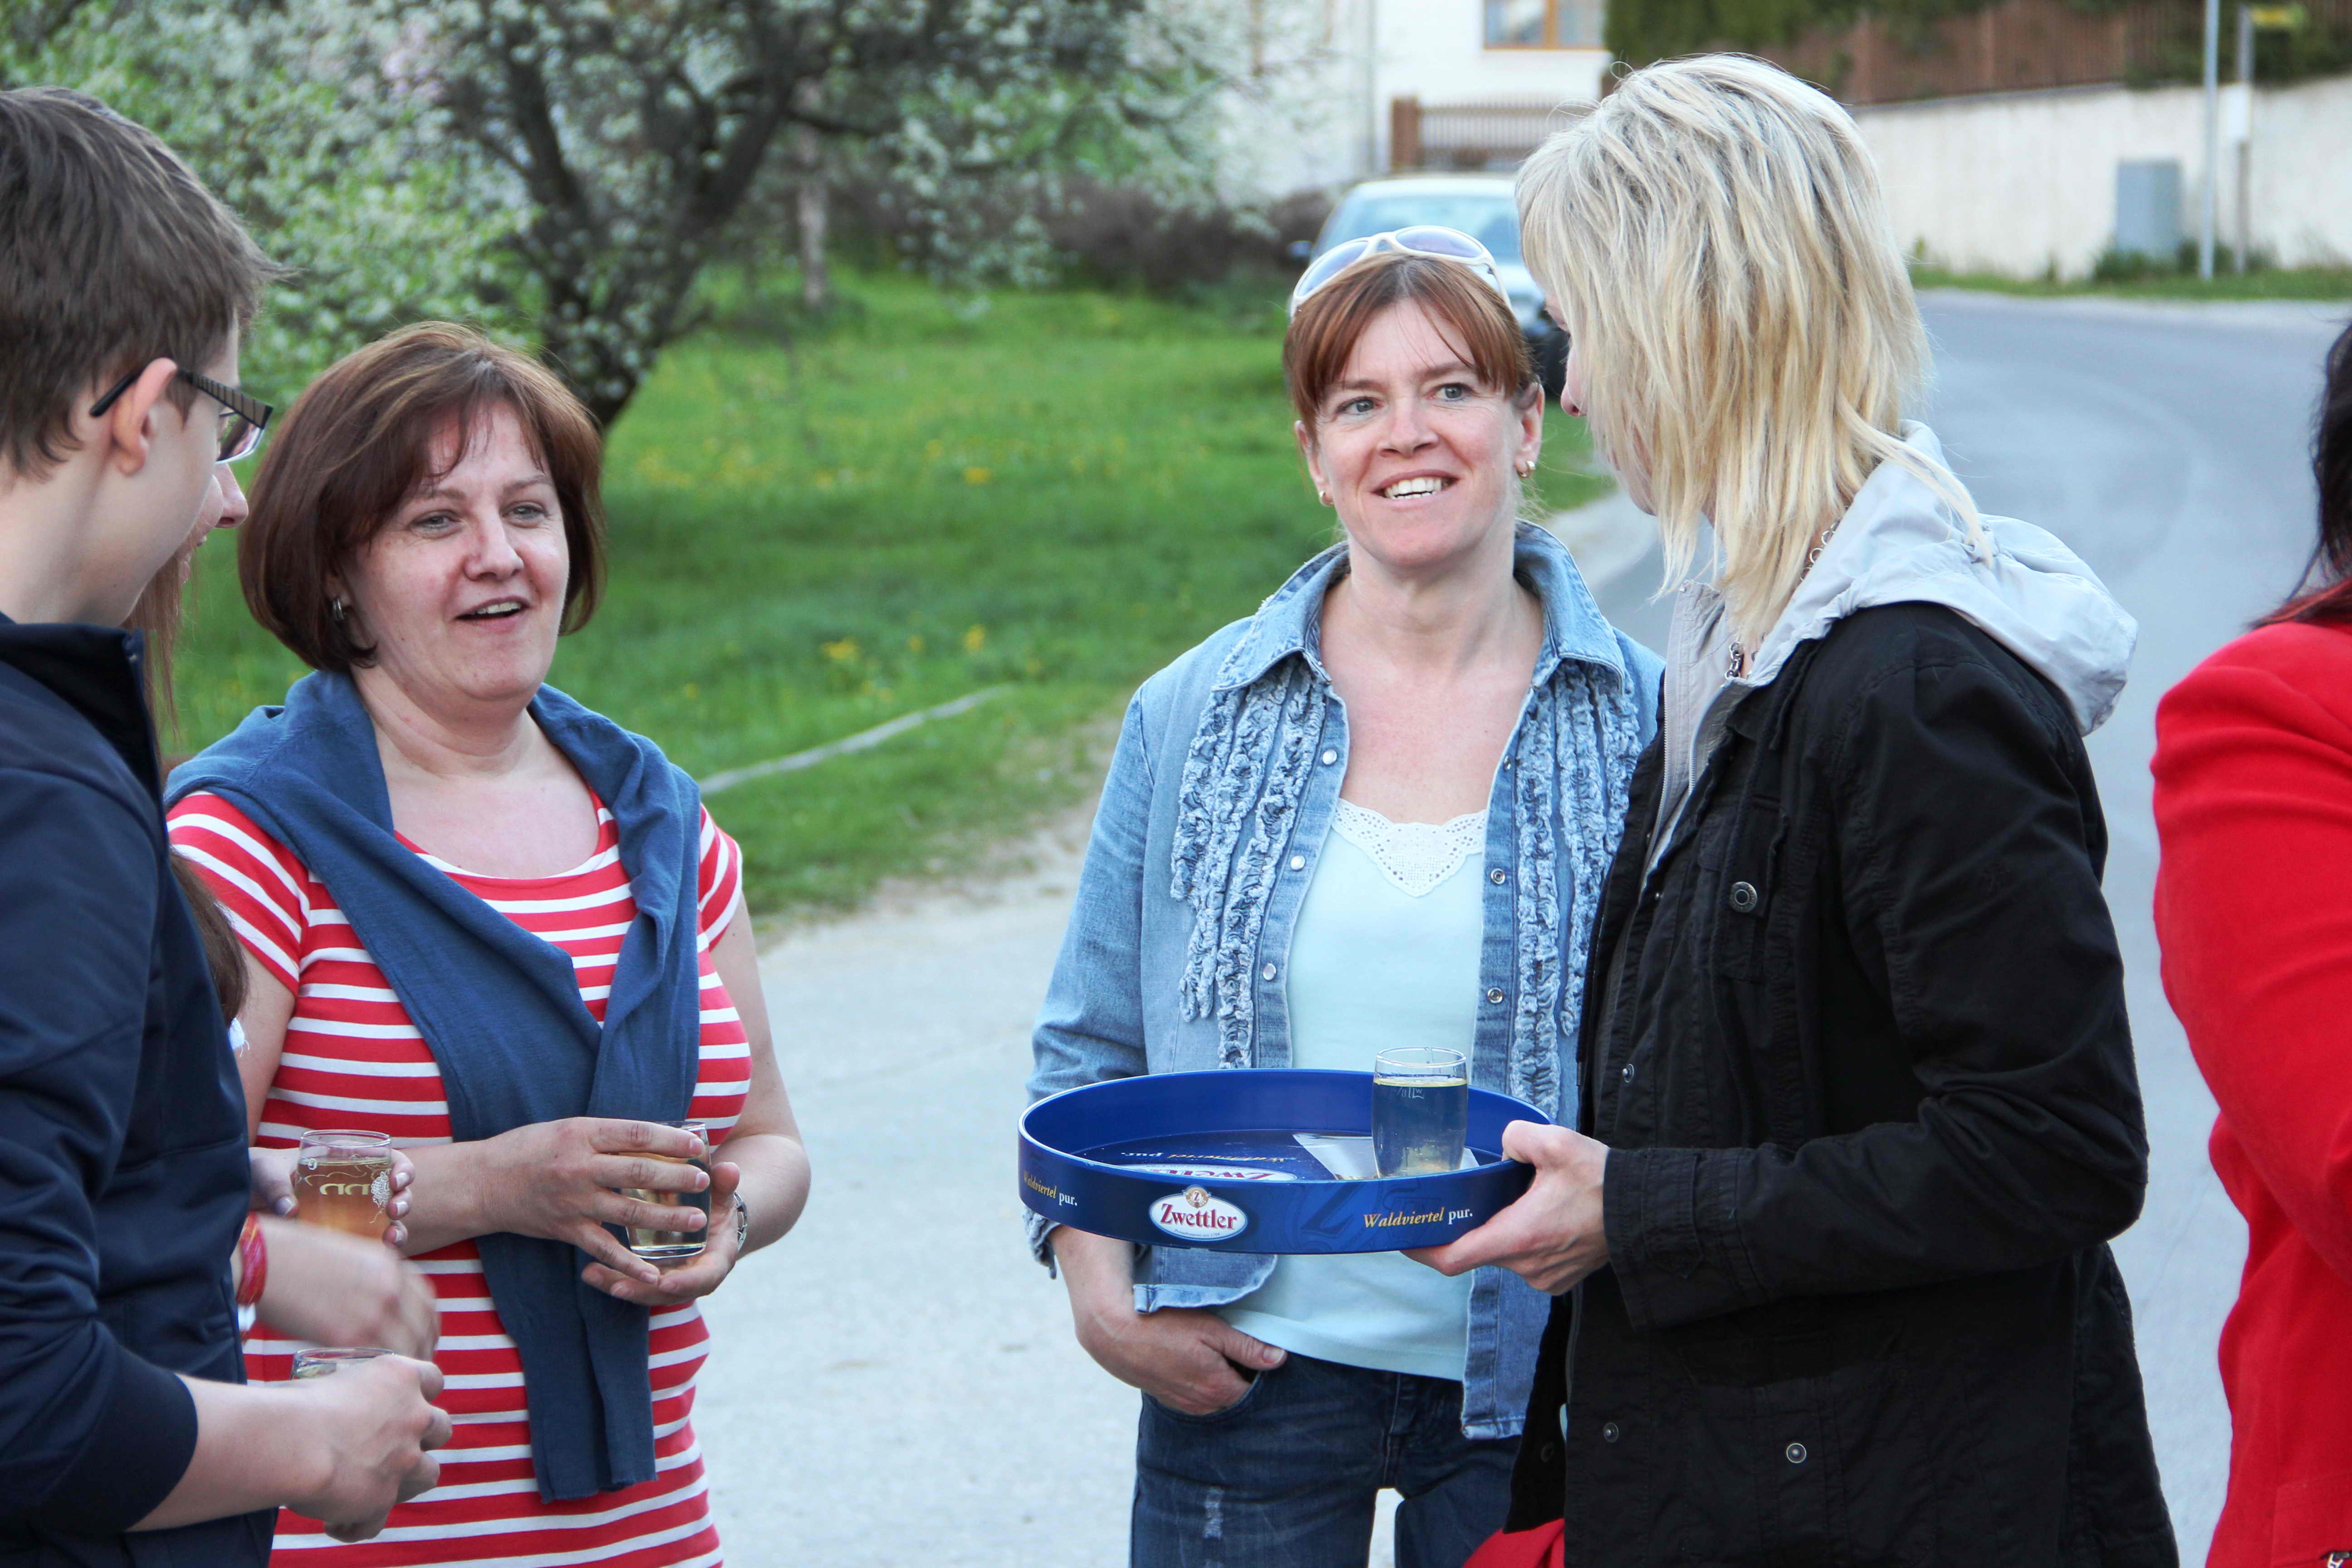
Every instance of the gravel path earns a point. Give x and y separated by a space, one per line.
897 1383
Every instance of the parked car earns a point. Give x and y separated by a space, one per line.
1479 205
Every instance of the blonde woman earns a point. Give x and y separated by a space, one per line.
1859 1110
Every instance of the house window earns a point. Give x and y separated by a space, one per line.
1542 23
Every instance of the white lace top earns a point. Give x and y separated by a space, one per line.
1413 856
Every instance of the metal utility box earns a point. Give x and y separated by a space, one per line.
2148 207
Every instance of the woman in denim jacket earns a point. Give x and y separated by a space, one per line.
1377 812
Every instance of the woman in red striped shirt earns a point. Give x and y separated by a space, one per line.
404 849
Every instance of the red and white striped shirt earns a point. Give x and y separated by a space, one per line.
353 1058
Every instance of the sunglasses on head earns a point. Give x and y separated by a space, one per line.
240 432
1421 239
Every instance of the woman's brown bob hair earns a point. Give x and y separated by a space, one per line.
360 440
1323 334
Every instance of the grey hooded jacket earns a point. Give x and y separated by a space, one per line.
1212 818
1897 544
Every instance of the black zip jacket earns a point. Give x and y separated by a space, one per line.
1861 1057
122 1164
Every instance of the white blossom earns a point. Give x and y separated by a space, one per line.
564 170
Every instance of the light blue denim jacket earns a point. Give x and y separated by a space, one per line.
1219 800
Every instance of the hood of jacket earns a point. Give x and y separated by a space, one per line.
1900 544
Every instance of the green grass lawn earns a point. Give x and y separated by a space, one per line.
2319 283
1055 493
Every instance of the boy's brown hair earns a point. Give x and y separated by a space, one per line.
112 255
367 435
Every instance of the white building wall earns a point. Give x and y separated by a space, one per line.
2019 183
1436 50
1326 125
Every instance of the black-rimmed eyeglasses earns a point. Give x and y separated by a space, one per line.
247 415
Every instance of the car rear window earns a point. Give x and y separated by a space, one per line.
1489 219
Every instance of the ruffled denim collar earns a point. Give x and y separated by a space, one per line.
1564 781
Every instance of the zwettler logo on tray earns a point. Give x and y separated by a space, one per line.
1197 1215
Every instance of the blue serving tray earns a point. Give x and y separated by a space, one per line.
1214 1160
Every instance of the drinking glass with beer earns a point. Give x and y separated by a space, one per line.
671 1245
342 1180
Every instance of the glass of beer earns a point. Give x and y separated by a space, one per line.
342 1180
1420 1109
319 1361
669 1245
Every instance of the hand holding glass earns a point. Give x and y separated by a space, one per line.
342 1180
669 1245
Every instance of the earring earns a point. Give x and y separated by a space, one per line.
1525 468
1323 496
335 608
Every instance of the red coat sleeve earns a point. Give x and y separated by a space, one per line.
2253 906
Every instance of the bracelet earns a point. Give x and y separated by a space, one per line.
253 1255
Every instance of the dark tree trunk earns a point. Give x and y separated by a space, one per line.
636 170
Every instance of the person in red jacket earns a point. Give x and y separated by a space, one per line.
2253 908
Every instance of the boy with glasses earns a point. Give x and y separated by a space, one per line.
127 1435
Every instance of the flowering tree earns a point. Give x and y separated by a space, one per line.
348 180
641 131
567 168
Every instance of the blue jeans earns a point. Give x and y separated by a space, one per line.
1287 1478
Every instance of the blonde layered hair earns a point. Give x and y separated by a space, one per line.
1713 236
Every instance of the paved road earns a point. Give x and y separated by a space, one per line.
895 1383
2172 450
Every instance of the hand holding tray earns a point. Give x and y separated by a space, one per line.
1246 1161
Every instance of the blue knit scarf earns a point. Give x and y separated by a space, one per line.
500 1010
